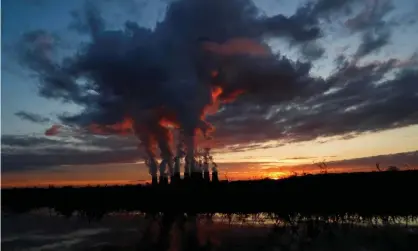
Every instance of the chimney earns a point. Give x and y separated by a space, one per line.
154 181
175 177
206 175
196 171
186 176
163 180
170 165
215 178
179 155
152 164
163 174
186 170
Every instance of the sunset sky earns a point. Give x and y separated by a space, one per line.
361 107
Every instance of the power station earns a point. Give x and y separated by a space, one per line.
200 169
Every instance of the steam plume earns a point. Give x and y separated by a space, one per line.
202 54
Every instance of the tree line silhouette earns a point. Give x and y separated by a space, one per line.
374 193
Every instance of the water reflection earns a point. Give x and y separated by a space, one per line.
177 232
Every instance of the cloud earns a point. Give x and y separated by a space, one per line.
20 153
404 160
312 51
281 100
25 141
376 31
32 161
372 42
160 74
24 153
396 159
361 100
32 117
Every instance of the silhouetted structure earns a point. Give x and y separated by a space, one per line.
163 180
175 178
154 181
215 177
308 195
206 174
186 175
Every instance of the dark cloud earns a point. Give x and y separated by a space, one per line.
372 42
32 117
376 30
26 141
148 74
20 153
111 142
36 50
371 16
400 160
34 161
312 51
88 21
327 7
403 161
356 104
122 150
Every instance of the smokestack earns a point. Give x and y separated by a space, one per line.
215 178
190 161
196 171
175 176
154 181
195 167
170 165
163 180
206 175
186 170
149 146
201 168
179 155
163 174
163 138
152 165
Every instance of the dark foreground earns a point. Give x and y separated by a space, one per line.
358 211
366 194
39 231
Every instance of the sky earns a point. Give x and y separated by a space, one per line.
343 90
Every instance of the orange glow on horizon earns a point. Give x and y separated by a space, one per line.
230 171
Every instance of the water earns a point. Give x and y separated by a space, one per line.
124 231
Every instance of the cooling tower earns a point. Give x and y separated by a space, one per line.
215 178
206 176
175 177
154 180
186 171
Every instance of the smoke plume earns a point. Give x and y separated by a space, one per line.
148 81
